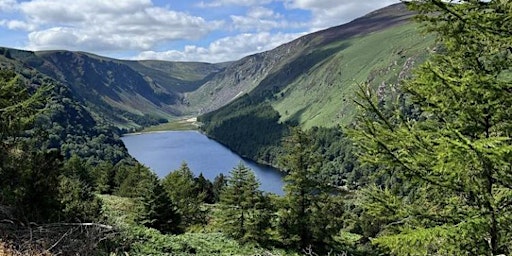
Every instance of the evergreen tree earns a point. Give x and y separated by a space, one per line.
308 199
157 209
154 207
104 178
204 187
33 190
451 161
132 180
29 176
78 201
243 215
218 185
181 189
77 168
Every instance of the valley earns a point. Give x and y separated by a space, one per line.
137 94
303 90
387 135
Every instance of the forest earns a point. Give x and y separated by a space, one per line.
424 171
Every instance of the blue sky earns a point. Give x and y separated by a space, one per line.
184 30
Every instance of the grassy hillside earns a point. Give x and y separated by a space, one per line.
275 69
309 81
317 85
323 95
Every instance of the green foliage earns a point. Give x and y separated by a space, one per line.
182 189
244 213
78 201
30 182
218 185
252 131
150 242
131 180
36 180
29 177
153 207
205 187
78 169
339 166
450 161
104 177
139 240
158 210
309 213
71 128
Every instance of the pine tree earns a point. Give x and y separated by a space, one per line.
181 189
307 199
78 201
28 176
104 178
243 214
218 185
75 167
204 187
131 180
157 210
453 159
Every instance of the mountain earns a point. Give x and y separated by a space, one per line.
311 81
124 93
63 123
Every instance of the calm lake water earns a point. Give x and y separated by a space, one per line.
164 152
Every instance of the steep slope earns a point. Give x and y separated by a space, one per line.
124 93
315 82
273 70
63 121
308 81
324 94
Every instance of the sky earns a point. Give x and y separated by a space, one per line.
176 30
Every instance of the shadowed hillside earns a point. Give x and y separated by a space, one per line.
124 93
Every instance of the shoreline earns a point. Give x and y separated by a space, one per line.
184 124
150 132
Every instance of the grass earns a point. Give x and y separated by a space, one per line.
175 125
140 240
324 94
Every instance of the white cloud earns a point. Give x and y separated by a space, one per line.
261 19
17 25
219 3
124 26
98 25
262 12
8 5
328 13
224 49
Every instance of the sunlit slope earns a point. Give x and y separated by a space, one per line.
324 94
268 72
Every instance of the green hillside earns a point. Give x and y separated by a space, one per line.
127 94
323 95
309 81
424 173
318 85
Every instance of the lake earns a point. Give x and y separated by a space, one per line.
164 152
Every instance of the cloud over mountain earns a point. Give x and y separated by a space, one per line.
200 30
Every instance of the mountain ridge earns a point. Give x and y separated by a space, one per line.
244 76
134 94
